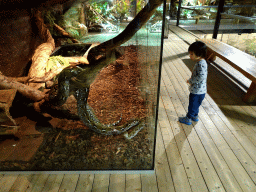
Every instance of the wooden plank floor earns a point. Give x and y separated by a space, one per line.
215 154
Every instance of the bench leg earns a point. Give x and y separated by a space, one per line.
250 96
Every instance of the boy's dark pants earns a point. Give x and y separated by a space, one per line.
195 100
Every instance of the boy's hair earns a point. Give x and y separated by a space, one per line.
199 48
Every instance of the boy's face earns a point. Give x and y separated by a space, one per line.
193 57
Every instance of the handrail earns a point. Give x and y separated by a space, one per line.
239 17
197 10
224 14
216 6
210 6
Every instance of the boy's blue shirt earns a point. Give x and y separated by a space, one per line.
198 80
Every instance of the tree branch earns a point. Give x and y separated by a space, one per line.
64 33
27 91
43 51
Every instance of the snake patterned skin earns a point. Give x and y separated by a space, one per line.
68 84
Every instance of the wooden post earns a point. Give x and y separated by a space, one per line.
178 13
218 18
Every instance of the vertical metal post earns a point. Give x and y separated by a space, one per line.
159 80
165 22
218 18
135 7
169 9
178 13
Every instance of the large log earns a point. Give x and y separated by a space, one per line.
73 61
43 51
27 91
49 75
64 33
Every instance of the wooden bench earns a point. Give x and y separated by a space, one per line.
241 61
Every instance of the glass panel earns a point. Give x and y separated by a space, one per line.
237 26
117 130
197 14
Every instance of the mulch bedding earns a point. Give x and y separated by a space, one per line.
70 145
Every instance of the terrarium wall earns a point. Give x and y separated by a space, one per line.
124 92
122 105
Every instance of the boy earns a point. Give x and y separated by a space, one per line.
198 88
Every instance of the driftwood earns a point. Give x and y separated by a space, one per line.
43 51
37 72
27 91
8 125
73 61
48 76
93 56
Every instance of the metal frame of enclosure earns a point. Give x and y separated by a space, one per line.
154 63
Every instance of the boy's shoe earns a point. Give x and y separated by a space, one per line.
185 120
195 118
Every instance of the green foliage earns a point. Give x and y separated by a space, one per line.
102 8
140 5
71 15
91 16
186 13
120 10
94 17
54 61
73 32
189 2
50 17
158 15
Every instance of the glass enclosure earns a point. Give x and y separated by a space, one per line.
110 124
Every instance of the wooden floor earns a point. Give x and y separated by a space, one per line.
215 154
